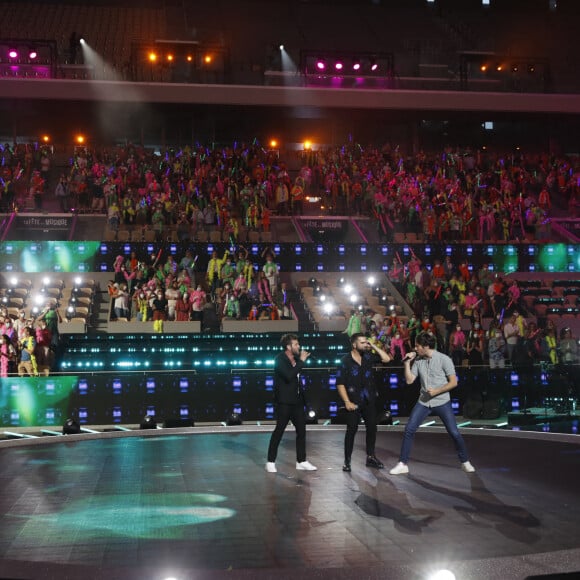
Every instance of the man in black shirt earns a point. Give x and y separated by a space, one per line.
355 384
290 402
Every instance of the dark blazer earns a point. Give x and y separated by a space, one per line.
287 386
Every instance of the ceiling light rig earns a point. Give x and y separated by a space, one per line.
346 63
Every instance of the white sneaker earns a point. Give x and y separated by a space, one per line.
305 466
399 469
467 467
271 467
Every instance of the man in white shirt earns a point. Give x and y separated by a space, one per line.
437 375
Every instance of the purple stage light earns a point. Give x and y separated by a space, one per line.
338 65
356 65
320 65
12 53
374 66
32 54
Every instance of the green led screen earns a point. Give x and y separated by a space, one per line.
30 401
48 256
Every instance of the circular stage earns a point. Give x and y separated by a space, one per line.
197 503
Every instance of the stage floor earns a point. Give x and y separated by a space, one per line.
197 503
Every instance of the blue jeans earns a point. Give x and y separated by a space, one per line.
418 415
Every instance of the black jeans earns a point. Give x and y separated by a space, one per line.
368 412
284 414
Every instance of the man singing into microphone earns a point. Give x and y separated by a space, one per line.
356 387
437 375
290 402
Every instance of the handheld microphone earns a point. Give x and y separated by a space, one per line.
408 357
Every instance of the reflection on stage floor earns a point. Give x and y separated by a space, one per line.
197 503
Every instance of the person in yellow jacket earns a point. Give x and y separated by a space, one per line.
27 364
214 269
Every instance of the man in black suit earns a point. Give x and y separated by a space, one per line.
290 403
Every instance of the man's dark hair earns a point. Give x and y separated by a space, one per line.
354 337
426 339
287 339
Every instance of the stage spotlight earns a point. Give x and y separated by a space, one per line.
383 300
281 47
338 65
311 417
328 308
148 422
371 280
152 57
317 290
376 291
374 65
385 418
320 65
70 312
347 289
312 282
356 64
442 575
71 427
341 282
32 54
13 53
234 419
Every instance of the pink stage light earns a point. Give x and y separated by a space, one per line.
12 53
320 65
338 65
374 66
32 54
356 65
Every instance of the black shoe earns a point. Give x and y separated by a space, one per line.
372 461
346 467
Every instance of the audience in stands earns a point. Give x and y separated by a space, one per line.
158 290
454 306
450 194
28 345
